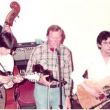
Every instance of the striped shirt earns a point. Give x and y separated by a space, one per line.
49 60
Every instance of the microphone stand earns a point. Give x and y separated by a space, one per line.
60 79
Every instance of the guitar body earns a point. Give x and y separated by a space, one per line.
11 102
85 98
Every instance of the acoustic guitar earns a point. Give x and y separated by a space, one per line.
89 101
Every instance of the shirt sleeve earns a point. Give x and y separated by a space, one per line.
31 62
8 63
77 76
67 70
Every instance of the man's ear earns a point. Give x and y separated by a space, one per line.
62 40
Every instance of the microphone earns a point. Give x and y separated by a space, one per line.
58 51
60 76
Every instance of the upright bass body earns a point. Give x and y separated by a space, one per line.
11 103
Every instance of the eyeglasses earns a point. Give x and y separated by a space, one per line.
106 43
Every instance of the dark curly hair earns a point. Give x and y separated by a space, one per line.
8 41
104 35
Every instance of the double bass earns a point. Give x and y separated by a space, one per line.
11 15
11 102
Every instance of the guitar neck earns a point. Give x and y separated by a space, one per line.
5 73
6 28
34 77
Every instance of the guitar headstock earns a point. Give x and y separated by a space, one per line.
13 13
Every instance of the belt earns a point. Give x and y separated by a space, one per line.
56 85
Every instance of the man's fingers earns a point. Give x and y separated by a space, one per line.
46 76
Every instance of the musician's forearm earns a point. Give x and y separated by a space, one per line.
8 85
4 79
91 90
67 102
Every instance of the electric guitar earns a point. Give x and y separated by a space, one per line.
38 69
88 101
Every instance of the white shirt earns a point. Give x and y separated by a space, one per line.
7 62
8 65
97 70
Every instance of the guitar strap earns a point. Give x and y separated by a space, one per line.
2 67
2 90
5 71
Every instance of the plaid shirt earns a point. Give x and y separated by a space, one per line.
49 60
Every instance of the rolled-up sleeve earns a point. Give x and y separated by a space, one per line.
77 76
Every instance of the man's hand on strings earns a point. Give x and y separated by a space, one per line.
42 80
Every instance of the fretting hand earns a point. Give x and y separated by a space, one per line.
18 78
43 80
93 90
8 85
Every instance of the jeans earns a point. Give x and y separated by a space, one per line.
47 98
